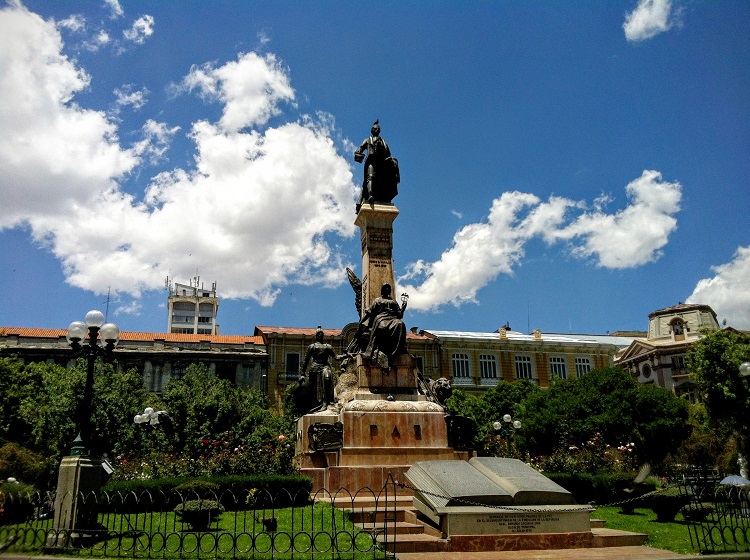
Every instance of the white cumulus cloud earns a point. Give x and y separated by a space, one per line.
648 19
728 291
128 96
480 252
250 89
142 29
115 8
635 235
54 155
259 209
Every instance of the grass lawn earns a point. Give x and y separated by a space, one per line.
318 531
668 536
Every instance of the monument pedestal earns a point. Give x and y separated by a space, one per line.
376 229
386 426
78 482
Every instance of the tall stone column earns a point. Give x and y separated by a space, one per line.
376 226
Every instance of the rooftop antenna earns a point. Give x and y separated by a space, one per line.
528 317
106 311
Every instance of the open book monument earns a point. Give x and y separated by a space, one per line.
494 496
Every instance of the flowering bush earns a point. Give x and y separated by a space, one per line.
262 454
593 456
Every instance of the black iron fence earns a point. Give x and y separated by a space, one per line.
204 524
717 515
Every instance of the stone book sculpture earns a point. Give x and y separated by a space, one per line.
494 496
484 481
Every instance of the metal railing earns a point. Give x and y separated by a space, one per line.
201 524
717 515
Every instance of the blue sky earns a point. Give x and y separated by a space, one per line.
568 166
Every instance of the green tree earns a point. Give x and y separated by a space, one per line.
610 403
17 384
41 403
714 361
489 407
203 406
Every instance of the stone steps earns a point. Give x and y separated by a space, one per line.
604 538
414 543
393 528
407 533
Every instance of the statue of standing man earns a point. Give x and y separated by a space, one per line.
318 386
381 173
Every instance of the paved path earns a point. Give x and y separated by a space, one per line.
609 553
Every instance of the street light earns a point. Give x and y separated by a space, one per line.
95 326
80 475
745 369
507 428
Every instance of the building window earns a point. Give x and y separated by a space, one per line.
583 366
488 370
687 391
646 371
523 367
678 365
178 371
204 319
461 369
420 364
487 366
678 327
291 367
558 367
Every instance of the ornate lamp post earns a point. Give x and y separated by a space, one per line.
80 476
507 428
94 325
744 372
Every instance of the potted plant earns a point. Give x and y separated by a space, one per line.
199 514
666 503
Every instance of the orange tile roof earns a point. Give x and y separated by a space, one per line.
327 332
297 330
139 336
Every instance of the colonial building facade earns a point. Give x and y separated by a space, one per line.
272 358
158 356
474 361
659 358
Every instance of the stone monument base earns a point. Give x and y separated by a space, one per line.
78 482
381 425
490 497
374 444
528 541
476 520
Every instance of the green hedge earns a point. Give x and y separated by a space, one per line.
600 489
163 494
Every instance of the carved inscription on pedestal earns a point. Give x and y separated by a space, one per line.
516 523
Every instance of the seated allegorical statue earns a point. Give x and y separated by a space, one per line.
382 329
